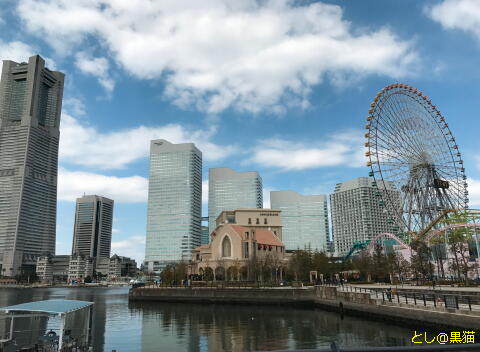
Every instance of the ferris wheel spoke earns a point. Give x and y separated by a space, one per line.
391 130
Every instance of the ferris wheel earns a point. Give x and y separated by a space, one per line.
414 158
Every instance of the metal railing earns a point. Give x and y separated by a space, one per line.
421 298
415 348
214 284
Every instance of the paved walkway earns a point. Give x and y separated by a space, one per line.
417 299
419 288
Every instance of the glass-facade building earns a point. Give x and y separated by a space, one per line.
30 106
357 212
304 220
174 203
230 190
92 235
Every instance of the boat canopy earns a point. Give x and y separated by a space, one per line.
54 306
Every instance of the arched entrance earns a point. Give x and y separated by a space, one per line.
220 273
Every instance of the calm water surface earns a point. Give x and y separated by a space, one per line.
202 327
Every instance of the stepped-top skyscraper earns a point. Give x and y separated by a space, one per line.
174 203
30 106
230 190
304 220
357 212
92 235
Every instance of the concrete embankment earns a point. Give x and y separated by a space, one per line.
358 303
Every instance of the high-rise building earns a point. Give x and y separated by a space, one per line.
205 235
30 106
358 214
228 189
174 203
304 219
92 235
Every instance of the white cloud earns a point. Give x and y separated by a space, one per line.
474 193
97 67
15 51
205 191
457 14
73 184
133 247
250 55
84 145
74 106
341 149
266 198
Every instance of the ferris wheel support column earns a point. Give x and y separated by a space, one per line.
446 246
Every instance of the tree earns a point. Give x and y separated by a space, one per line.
167 275
300 265
458 238
208 274
398 265
364 264
180 271
379 264
321 263
421 260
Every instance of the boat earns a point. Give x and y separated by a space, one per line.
51 325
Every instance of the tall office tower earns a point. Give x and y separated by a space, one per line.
228 190
357 212
30 106
92 234
304 219
174 203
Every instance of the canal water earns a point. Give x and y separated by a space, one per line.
148 327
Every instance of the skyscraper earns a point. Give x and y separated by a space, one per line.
92 235
30 106
174 203
357 212
229 190
304 219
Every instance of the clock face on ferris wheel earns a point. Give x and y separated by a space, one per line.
411 150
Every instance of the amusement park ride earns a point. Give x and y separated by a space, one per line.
414 158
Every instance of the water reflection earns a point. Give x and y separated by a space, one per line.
201 327
240 328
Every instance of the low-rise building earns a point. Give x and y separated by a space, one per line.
80 267
53 268
61 264
44 268
116 266
243 238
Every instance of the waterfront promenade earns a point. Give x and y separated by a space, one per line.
412 308
450 288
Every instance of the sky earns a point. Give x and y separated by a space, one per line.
281 87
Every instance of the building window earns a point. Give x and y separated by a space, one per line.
258 221
265 221
246 234
245 250
275 233
249 221
226 247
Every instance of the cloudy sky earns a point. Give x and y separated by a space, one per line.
282 87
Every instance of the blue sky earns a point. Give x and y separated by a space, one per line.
282 87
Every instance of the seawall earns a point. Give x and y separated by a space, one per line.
356 303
